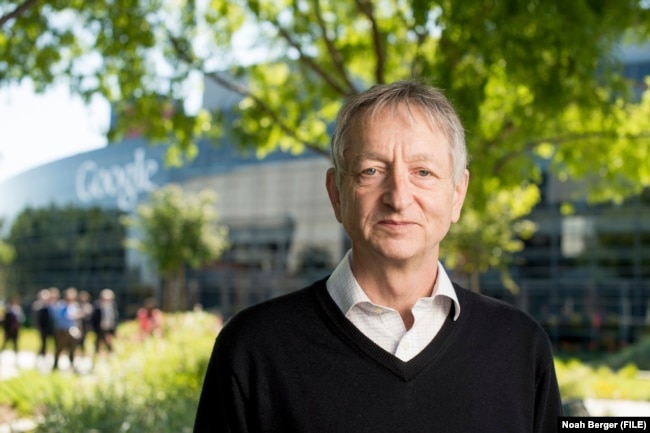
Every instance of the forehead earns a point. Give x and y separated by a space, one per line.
408 112
397 124
377 133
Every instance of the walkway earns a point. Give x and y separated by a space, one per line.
10 364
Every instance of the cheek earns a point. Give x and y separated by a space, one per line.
348 208
437 206
352 210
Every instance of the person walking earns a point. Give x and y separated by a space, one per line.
13 320
67 327
85 320
104 320
41 308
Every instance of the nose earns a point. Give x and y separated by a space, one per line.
398 194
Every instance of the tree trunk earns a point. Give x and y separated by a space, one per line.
174 296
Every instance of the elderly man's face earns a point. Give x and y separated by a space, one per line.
397 199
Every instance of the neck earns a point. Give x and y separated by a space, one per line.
396 286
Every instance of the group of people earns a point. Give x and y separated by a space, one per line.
67 318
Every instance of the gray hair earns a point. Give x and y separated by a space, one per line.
410 92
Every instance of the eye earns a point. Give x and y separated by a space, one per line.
370 176
423 172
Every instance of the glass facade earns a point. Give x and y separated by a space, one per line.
585 275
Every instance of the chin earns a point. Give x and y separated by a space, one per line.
399 253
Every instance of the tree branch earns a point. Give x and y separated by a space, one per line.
242 90
277 119
501 162
16 13
365 7
335 54
586 136
310 62
421 38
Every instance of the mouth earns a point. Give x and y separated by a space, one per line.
396 225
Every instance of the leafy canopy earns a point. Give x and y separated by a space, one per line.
534 81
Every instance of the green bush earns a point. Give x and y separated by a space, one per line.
581 380
637 354
147 385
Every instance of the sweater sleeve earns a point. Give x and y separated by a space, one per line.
221 405
548 403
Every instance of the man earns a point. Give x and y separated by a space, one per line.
12 322
387 343
42 319
104 320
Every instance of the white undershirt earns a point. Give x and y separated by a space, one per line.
383 325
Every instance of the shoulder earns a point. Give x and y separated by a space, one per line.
280 311
276 318
501 329
478 303
499 316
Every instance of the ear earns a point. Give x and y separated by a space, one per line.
460 192
333 192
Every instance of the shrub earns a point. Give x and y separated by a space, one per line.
580 380
146 386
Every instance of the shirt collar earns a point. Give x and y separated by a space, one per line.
346 291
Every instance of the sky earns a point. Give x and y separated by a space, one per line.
37 129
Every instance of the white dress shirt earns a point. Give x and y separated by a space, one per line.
383 325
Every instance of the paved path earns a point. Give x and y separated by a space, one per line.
11 363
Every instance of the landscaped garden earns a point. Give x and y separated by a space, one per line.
146 385
152 385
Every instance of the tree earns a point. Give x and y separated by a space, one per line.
533 81
177 229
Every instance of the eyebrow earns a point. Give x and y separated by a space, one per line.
375 156
365 155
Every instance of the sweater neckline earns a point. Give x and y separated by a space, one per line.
405 370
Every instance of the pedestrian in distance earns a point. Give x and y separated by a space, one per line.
66 316
42 319
388 342
150 319
104 320
14 318
85 321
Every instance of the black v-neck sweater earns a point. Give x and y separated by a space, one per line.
296 364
